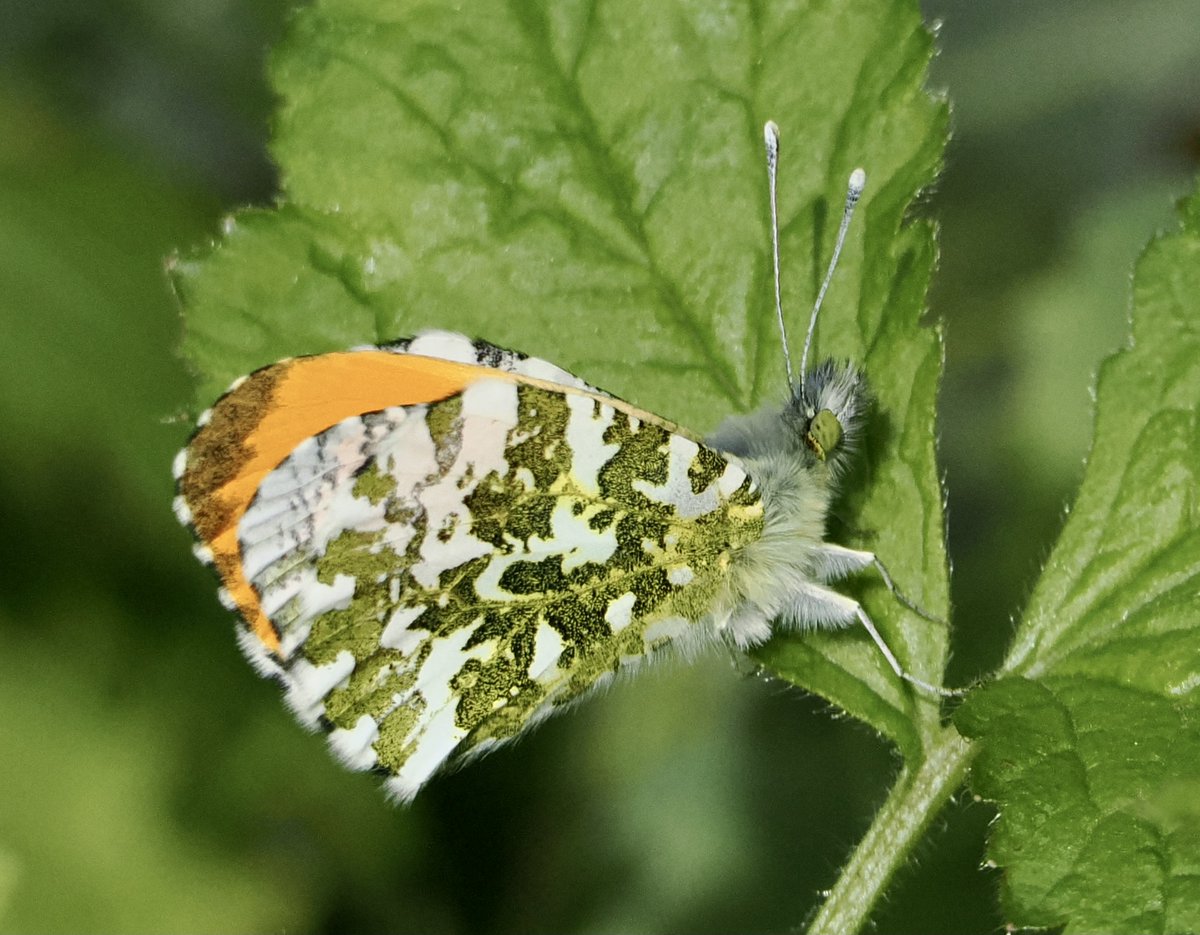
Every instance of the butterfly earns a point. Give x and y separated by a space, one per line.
434 544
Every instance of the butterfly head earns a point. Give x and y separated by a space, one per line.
829 411
827 407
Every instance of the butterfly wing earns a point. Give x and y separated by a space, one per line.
447 563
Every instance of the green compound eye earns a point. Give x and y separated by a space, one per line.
824 433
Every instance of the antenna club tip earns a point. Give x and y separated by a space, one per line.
858 181
771 134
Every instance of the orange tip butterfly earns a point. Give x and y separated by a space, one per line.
434 544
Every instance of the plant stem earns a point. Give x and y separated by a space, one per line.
910 807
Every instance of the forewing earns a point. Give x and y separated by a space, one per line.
432 578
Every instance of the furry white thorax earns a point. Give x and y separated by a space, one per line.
781 576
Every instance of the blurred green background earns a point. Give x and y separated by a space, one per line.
149 782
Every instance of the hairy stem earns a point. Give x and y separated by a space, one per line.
910 807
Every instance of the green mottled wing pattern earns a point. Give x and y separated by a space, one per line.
444 575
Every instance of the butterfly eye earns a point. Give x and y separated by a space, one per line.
824 433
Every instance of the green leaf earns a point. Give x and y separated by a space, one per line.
586 183
1091 744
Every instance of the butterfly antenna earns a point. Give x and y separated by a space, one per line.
854 190
771 138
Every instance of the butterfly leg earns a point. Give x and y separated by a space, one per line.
815 605
869 625
836 561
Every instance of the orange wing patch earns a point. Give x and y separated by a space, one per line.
262 419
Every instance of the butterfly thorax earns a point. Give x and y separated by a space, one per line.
795 455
